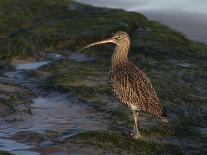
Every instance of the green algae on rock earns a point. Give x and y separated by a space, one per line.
5 153
29 137
112 142
31 27
12 97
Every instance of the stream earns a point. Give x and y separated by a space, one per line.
52 111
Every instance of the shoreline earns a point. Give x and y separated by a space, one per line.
73 104
192 25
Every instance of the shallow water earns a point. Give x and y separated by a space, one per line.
29 66
50 112
181 64
16 148
54 112
79 57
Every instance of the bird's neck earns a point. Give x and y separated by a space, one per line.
120 54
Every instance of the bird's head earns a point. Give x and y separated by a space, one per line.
119 38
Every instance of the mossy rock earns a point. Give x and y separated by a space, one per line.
29 137
5 153
33 26
113 142
11 101
29 26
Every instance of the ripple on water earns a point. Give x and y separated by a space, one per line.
80 57
15 147
181 64
52 112
30 66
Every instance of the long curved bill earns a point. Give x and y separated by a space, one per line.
98 42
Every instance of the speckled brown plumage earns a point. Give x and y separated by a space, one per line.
130 85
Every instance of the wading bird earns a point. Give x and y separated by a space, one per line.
130 85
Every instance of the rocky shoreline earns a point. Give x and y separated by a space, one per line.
49 70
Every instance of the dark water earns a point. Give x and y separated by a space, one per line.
186 16
52 112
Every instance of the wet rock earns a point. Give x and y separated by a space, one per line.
53 150
80 57
11 103
8 88
180 63
5 153
114 143
203 131
29 137
87 79
16 148
54 56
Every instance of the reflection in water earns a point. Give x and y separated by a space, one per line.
55 112
80 57
15 147
52 112
28 66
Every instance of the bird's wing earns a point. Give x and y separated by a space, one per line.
132 87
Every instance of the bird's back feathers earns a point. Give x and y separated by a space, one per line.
132 87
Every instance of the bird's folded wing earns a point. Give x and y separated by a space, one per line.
132 87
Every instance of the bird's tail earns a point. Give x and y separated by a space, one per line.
164 119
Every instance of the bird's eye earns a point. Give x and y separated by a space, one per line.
118 37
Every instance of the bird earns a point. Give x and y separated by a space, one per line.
130 85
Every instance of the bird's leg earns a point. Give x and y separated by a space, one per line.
136 131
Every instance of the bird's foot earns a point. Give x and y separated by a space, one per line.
136 135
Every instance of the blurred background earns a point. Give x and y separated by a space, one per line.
187 16
55 99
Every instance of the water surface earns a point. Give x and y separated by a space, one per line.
51 111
